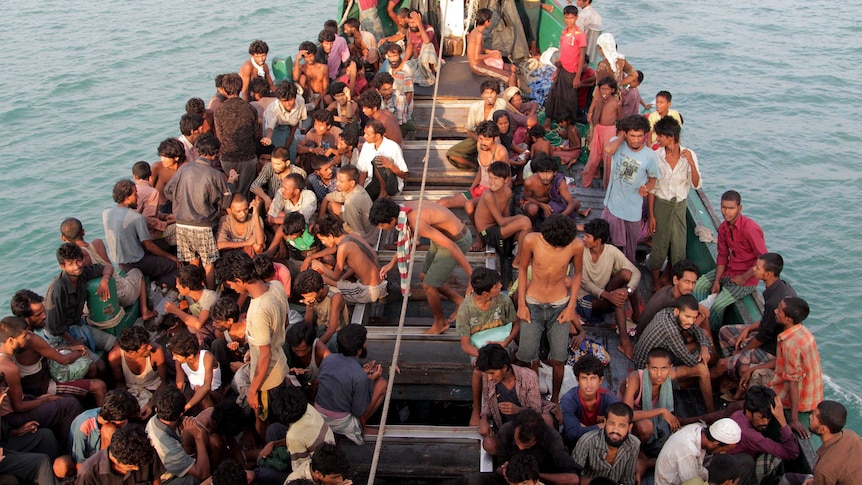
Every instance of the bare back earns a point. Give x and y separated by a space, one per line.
474 47
436 216
393 131
351 255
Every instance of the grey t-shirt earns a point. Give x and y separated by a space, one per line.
125 230
265 323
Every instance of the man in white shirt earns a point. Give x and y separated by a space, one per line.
293 197
682 456
382 169
588 16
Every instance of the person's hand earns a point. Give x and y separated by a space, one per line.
297 371
524 313
746 377
716 287
384 162
29 427
738 280
385 270
740 341
267 449
643 191
233 346
809 481
176 261
578 339
317 265
253 400
232 177
704 356
686 154
266 141
672 421
484 428
649 106
651 225
170 218
381 42
414 16
170 307
375 371
509 409
146 411
258 248
617 297
191 424
576 83
547 210
104 291
799 429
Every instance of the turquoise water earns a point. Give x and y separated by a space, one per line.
769 95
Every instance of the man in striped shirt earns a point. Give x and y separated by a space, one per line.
610 452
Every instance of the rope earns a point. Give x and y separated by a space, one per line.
378 445
346 13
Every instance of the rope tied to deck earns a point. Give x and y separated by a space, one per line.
378 444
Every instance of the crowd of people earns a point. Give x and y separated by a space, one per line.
279 194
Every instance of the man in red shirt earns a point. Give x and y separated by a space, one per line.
562 101
740 243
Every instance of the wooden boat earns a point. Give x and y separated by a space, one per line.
427 438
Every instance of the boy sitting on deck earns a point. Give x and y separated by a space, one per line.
488 62
585 407
324 309
312 76
496 227
268 181
546 192
194 308
199 367
484 317
352 256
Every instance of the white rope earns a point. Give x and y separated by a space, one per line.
346 12
378 445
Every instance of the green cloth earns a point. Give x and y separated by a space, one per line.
665 399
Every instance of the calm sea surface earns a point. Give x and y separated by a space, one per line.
769 95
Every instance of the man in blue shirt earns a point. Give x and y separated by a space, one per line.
634 171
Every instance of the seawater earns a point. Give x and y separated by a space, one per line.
769 95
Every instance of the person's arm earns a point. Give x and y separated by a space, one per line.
260 371
42 348
386 162
676 346
613 145
390 10
426 230
691 158
276 241
204 389
201 468
223 239
318 255
16 395
336 302
576 81
152 248
114 357
567 196
297 66
572 428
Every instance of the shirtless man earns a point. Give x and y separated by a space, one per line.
139 364
172 155
370 102
489 152
492 219
31 359
450 241
478 57
546 192
311 75
255 67
353 256
546 303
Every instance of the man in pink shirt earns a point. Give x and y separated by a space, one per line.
562 102
740 243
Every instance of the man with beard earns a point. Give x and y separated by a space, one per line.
761 406
463 155
349 392
240 228
673 329
489 152
128 239
611 452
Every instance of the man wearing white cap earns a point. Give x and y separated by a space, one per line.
683 454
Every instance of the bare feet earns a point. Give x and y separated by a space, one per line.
437 328
586 212
628 351
478 245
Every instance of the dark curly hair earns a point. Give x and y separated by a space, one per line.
130 445
184 344
119 405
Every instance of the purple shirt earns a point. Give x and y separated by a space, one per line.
755 443
337 55
739 246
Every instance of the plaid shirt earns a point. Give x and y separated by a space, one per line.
397 105
664 331
798 361
591 451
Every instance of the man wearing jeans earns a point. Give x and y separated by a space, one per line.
545 304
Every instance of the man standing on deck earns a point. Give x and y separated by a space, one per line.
450 242
562 103
589 17
740 243
237 128
199 195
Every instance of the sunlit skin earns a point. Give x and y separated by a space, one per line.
394 58
635 139
686 317
38 317
386 91
570 20
617 428
309 58
485 144
760 269
288 104
547 177
662 105
279 165
490 96
659 370
259 59
685 285
141 353
605 91
495 183
730 210
321 128
331 479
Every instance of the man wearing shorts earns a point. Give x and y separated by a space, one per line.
545 304
450 242
199 194
634 171
265 322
